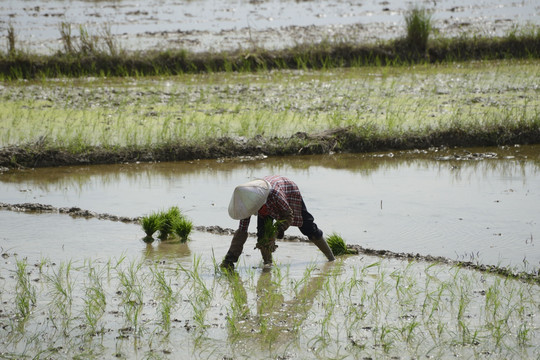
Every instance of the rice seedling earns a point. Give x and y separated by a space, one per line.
170 222
270 230
239 309
201 296
363 307
166 296
182 228
337 244
131 292
25 298
95 300
61 293
151 224
67 38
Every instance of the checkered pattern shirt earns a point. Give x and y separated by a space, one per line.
284 202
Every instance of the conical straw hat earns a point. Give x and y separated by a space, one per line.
248 198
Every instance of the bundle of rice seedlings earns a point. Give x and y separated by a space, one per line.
182 228
151 224
337 244
170 222
167 220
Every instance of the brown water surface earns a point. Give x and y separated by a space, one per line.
466 204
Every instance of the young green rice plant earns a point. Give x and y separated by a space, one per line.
109 40
337 244
88 44
61 294
239 309
25 297
166 296
267 241
95 300
132 294
201 295
166 222
269 231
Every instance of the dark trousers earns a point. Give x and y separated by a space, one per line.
308 228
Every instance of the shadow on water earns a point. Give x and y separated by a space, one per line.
476 205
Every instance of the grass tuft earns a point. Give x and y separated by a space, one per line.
418 23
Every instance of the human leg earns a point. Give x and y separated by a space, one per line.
314 234
235 249
266 243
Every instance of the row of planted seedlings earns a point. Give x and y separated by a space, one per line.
356 307
382 103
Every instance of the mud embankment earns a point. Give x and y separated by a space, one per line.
345 140
533 277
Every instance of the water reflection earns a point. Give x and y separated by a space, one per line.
78 179
278 320
167 250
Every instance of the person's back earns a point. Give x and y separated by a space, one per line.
272 198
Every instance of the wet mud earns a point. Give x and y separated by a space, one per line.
75 212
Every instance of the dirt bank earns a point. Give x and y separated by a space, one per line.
350 139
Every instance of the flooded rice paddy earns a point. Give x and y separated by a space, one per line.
206 25
74 287
148 111
444 202
92 288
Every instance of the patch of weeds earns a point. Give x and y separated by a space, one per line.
418 23
11 40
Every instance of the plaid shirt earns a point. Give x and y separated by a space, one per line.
284 202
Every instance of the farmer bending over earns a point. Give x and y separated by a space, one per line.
270 198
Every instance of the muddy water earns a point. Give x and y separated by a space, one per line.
204 25
477 205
